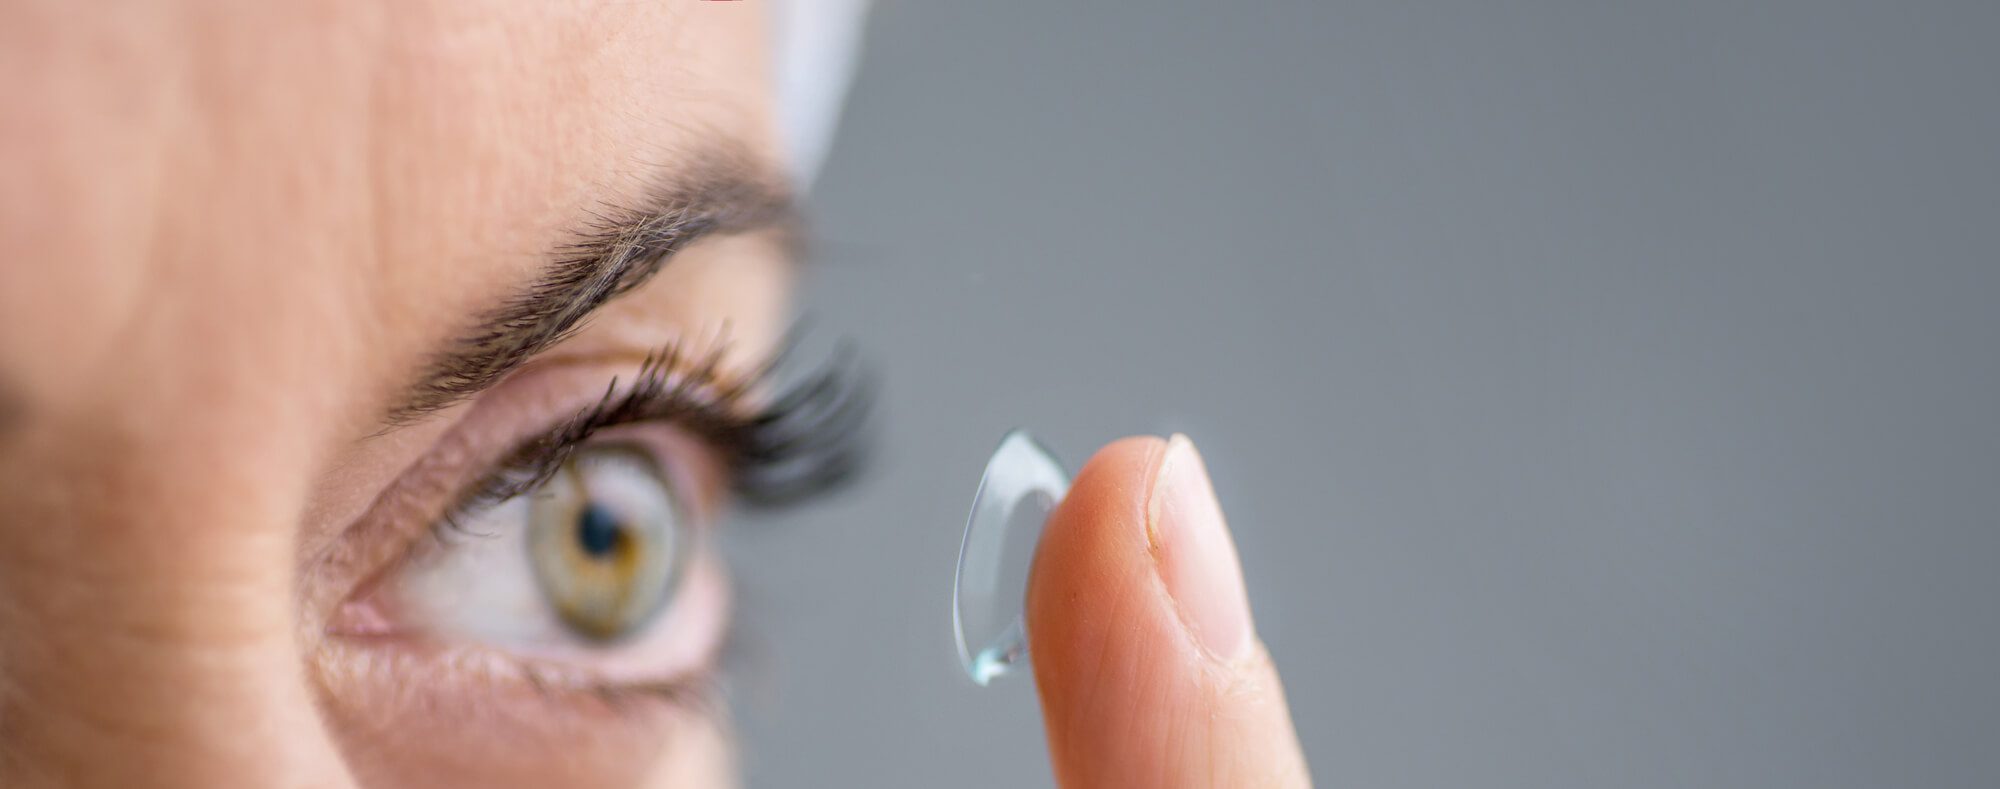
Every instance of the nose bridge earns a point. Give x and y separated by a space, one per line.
148 629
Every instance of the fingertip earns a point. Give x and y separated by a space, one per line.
1093 547
1101 642
1145 658
1112 489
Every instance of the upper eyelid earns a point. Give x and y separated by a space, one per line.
810 436
534 460
414 508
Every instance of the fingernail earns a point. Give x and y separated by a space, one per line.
1195 555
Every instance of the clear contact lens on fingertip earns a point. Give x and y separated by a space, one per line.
1022 484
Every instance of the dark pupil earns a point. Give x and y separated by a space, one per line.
597 530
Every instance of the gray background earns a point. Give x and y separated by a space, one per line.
1603 394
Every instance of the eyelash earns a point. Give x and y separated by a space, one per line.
808 437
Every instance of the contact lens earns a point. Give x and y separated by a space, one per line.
1021 486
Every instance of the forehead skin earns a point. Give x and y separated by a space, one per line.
229 234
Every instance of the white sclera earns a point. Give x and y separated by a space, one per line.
1021 486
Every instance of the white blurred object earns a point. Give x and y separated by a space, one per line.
818 44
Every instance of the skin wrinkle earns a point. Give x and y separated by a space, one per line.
13 411
304 196
1116 673
246 229
75 613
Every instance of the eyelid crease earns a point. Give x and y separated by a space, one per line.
809 437
728 191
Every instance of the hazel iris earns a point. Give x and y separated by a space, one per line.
609 541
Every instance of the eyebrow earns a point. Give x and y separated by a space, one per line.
612 251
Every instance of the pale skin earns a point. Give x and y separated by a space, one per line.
232 235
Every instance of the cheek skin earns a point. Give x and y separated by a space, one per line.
144 619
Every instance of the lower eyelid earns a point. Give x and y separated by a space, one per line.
683 643
493 713
686 638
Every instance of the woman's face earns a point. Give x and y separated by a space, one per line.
294 299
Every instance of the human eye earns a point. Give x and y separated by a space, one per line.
583 566
578 560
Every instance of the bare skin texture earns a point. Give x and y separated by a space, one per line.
236 238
